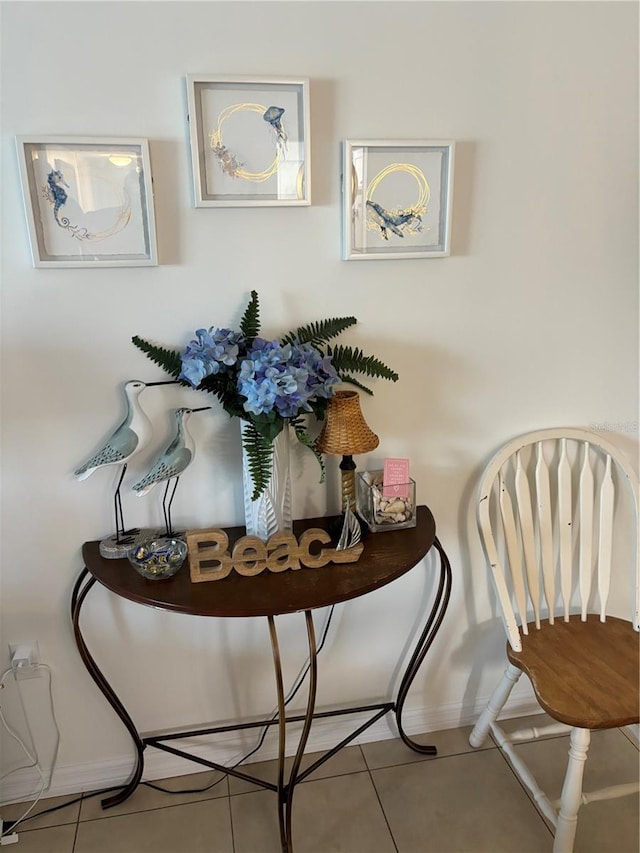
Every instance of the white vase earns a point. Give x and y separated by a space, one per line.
272 510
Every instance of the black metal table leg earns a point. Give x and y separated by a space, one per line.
282 729
426 639
77 599
285 791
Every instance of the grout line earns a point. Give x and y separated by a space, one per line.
630 737
75 834
524 787
384 814
233 835
429 758
364 757
157 808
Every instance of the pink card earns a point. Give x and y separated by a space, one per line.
395 478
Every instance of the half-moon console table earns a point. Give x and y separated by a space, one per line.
386 556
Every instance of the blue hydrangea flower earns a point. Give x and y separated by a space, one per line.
213 351
284 377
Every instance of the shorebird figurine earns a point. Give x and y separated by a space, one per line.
171 463
127 439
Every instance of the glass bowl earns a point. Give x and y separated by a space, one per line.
158 558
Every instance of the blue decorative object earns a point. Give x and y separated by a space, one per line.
284 377
272 116
394 221
158 559
56 192
171 462
211 352
128 438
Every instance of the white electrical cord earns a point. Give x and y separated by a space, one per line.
32 757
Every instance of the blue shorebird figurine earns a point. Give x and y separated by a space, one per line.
171 463
125 441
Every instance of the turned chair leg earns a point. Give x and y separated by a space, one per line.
571 797
495 705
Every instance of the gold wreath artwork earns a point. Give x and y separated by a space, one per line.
123 215
77 230
399 220
210 559
228 161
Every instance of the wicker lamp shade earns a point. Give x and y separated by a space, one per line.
345 431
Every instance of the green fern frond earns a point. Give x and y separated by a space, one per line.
320 332
169 360
355 361
259 458
224 388
268 424
351 380
304 438
250 323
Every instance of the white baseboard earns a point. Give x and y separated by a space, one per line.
229 748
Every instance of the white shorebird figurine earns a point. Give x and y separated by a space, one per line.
171 463
127 439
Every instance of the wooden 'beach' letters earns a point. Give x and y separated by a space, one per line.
210 560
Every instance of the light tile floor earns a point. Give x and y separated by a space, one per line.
375 798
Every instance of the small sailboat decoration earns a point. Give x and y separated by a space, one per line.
351 533
350 546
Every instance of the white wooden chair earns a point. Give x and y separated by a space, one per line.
547 509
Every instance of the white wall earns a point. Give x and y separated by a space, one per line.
532 322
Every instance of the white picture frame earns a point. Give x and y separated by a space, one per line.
250 142
88 201
396 199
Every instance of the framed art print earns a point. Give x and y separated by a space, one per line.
88 201
396 199
249 141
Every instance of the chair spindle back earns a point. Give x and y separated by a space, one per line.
546 505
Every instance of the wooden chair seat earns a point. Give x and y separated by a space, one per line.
584 674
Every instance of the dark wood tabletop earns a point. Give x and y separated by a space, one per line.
386 556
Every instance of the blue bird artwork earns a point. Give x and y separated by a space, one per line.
127 439
394 222
171 463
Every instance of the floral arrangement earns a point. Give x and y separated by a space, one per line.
269 383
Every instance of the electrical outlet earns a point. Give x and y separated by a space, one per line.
7 837
25 658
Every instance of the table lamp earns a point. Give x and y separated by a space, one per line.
345 433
